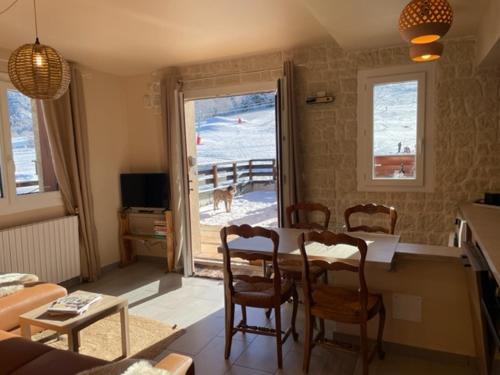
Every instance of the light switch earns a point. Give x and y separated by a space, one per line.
407 307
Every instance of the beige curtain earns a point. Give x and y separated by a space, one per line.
66 123
173 122
288 146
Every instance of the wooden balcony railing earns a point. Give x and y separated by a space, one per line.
214 175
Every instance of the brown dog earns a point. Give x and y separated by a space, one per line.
225 195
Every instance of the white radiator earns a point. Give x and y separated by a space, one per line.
48 249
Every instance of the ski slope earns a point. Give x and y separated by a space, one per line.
224 138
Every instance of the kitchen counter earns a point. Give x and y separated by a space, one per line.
484 222
428 251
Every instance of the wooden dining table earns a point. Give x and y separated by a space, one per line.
381 247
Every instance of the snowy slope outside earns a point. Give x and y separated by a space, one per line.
23 139
395 117
239 136
238 128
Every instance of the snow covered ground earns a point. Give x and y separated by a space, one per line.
395 117
224 138
254 208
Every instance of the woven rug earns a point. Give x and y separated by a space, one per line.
148 338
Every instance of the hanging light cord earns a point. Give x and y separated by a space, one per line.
36 21
8 8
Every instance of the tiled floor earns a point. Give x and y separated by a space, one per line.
197 305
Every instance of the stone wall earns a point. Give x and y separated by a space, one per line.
467 128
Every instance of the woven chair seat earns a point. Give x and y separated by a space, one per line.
260 293
292 271
342 304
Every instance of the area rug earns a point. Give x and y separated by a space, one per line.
148 338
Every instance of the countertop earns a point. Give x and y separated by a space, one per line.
484 222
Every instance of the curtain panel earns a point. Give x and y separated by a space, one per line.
66 123
288 146
172 100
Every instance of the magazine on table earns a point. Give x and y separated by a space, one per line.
74 303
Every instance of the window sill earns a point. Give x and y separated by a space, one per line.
395 189
31 202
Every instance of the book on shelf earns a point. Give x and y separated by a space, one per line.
73 304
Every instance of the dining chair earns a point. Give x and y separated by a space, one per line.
371 209
256 291
292 268
339 304
295 212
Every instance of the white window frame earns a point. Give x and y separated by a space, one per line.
12 203
424 74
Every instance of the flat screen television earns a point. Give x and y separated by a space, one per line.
145 190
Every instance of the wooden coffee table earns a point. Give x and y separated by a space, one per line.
72 325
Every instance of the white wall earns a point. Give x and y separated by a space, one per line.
488 51
105 100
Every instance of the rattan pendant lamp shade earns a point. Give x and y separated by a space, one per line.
425 21
426 52
39 71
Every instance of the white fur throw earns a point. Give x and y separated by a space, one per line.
126 367
144 368
13 282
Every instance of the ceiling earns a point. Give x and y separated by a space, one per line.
374 23
128 37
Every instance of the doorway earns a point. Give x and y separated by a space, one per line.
233 169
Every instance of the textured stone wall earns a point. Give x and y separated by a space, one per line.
466 116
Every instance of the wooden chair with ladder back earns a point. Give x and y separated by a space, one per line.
293 268
339 304
256 291
371 209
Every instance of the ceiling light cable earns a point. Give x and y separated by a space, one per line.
36 21
8 8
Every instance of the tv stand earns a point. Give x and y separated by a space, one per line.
127 253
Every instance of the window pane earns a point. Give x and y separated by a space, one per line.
33 167
395 130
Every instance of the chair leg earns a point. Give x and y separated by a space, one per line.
325 277
308 337
277 318
244 314
295 297
364 347
322 328
268 312
229 328
380 334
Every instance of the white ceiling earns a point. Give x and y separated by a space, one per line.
137 36
129 37
374 23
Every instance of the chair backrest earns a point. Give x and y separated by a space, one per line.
328 238
293 215
371 209
247 231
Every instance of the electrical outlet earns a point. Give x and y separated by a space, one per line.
407 307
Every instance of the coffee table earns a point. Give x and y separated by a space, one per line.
72 325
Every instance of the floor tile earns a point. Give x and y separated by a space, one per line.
197 304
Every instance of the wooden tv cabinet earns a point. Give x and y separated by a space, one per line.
127 253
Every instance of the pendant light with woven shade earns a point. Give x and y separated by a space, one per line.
425 21
39 71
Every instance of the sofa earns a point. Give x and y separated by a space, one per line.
19 356
32 296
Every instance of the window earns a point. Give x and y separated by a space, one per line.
394 129
27 178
